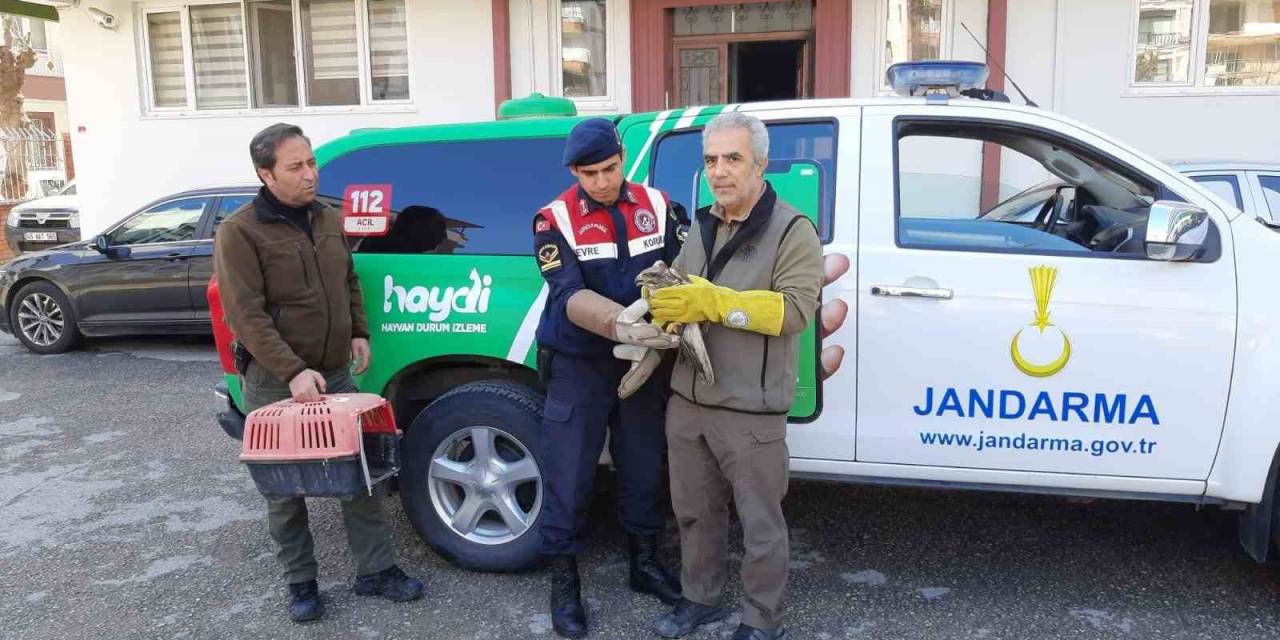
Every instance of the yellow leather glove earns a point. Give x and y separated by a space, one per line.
700 300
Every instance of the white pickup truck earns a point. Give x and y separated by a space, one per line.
1116 343
1112 340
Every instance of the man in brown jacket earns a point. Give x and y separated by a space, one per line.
756 265
291 297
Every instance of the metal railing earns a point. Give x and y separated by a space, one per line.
30 162
1163 39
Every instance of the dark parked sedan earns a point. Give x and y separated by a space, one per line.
146 274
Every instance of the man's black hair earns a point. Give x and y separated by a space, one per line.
263 146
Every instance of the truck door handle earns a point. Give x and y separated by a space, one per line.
910 292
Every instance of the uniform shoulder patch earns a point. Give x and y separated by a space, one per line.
541 223
548 257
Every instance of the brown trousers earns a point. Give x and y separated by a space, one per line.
716 454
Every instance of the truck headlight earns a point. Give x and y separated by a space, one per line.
12 220
74 221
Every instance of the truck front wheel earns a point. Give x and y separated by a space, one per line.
472 477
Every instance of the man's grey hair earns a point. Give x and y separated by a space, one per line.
263 146
737 120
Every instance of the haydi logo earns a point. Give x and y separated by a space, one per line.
439 301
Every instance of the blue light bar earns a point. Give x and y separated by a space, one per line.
936 76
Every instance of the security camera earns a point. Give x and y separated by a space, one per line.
106 20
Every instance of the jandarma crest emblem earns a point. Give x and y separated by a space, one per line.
646 222
1049 336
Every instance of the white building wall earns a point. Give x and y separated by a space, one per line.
125 158
1074 57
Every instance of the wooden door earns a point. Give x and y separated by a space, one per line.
701 72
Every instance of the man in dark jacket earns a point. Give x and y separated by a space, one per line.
290 295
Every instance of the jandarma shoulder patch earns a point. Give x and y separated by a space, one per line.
548 257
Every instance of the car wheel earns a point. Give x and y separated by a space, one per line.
42 319
471 482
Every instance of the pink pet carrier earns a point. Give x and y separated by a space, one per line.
338 447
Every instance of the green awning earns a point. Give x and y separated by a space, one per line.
29 9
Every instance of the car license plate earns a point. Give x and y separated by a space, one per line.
40 236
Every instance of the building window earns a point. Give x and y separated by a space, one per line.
330 48
388 53
1164 41
36 35
275 72
913 31
269 54
1207 43
217 49
168 59
584 48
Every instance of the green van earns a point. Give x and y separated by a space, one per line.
440 219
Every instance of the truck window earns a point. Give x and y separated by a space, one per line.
678 161
1225 187
1024 206
1271 191
1078 204
464 197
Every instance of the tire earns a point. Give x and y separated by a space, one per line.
42 319
440 478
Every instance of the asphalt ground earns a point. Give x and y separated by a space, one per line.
124 513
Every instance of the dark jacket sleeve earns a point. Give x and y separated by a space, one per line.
359 320
239 270
677 221
559 265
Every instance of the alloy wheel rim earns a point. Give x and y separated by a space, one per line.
485 485
40 319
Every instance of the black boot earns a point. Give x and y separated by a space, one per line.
686 617
391 584
568 617
304 601
647 573
748 632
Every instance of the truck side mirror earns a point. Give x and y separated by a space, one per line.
1176 231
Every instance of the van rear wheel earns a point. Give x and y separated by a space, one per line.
472 477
